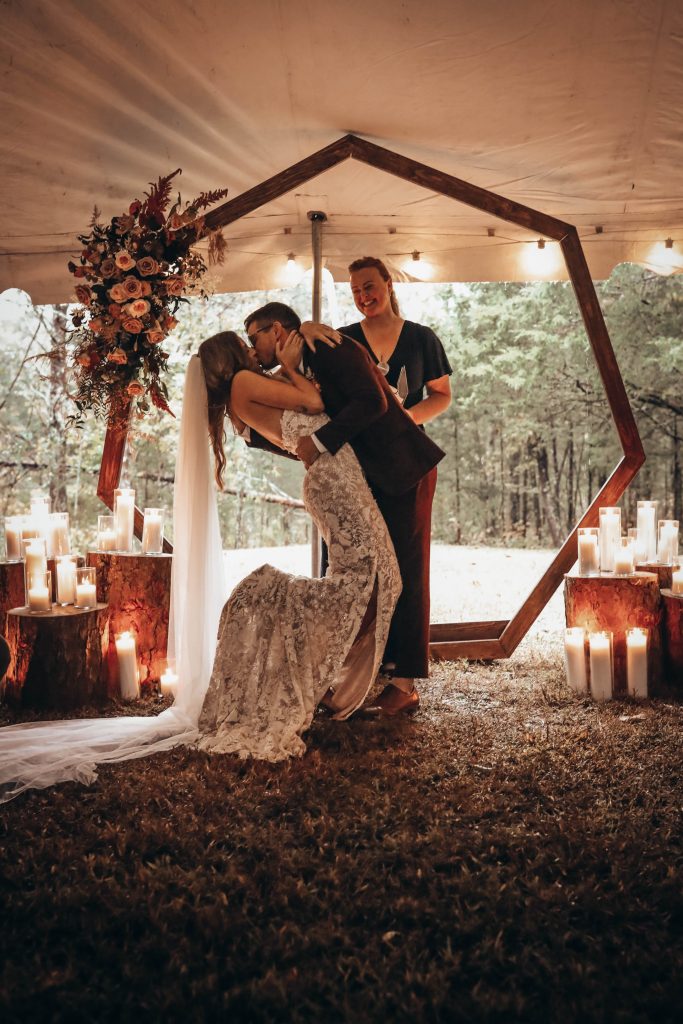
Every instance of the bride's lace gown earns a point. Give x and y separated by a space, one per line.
283 640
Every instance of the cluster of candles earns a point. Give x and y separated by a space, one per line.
605 549
115 532
51 527
129 670
601 662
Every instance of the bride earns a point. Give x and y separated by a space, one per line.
283 640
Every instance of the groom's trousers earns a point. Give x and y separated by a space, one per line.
409 520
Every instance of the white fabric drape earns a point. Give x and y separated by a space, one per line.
41 754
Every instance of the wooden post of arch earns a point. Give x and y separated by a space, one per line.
491 638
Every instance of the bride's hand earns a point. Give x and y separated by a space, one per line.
312 333
288 354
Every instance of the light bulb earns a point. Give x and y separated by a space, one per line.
418 267
542 259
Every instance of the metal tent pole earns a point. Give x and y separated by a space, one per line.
317 219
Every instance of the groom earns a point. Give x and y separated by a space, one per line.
399 461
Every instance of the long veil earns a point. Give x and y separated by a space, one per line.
40 754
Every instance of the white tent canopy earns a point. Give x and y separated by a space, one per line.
572 108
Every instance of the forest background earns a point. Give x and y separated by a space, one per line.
529 437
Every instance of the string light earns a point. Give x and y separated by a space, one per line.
418 267
541 259
669 243
292 273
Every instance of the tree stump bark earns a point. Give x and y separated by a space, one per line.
618 603
137 589
57 657
662 572
672 632
12 590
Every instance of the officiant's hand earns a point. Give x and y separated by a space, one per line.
307 451
313 333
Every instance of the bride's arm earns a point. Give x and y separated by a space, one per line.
254 389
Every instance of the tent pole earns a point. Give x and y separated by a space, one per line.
317 219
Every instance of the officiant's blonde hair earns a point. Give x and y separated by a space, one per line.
221 356
366 262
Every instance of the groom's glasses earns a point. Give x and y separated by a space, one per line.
251 338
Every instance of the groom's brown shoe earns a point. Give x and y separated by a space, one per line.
393 701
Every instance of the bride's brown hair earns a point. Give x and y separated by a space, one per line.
221 356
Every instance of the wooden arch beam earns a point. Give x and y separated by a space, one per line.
491 638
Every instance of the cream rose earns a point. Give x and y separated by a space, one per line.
118 293
83 294
147 265
108 267
124 260
131 325
137 308
154 337
117 355
132 287
175 285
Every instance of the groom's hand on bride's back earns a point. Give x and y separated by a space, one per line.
307 450
313 333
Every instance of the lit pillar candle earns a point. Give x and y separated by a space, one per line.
623 559
40 517
589 558
124 511
13 525
38 591
636 662
610 533
647 529
86 587
168 684
58 528
106 533
639 552
575 658
600 646
667 547
129 678
66 579
677 581
153 531
35 560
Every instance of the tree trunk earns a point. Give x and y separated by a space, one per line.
540 454
58 397
673 638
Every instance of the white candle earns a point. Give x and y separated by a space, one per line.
589 561
610 534
600 645
124 518
667 550
623 558
39 597
152 531
58 531
86 595
647 529
575 659
66 579
677 581
128 666
35 559
40 520
168 684
106 540
13 526
636 662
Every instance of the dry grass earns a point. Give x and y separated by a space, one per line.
511 854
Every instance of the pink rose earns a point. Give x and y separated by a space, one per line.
124 260
135 388
79 272
147 265
118 293
108 267
169 322
146 288
154 337
117 355
130 324
115 310
175 285
83 294
95 325
132 287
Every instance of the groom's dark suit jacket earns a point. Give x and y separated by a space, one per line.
393 451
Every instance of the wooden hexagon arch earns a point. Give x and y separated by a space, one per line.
491 639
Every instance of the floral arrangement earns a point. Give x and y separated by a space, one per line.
132 276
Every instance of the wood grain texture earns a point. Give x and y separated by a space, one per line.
672 636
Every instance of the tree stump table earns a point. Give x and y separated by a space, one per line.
618 603
662 572
12 590
137 589
58 658
672 632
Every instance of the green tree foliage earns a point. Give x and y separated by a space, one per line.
528 437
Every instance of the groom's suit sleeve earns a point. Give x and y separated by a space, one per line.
360 397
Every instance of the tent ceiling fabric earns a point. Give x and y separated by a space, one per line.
574 109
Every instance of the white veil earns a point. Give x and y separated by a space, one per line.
40 754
